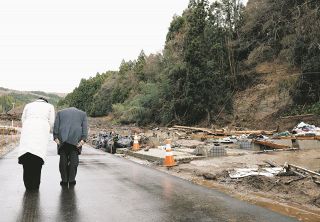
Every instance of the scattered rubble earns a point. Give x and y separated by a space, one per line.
110 142
304 129
244 172
209 176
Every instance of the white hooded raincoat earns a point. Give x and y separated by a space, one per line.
37 122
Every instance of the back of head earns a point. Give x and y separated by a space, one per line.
44 99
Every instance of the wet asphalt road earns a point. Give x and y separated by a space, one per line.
110 188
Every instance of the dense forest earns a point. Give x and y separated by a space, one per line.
210 53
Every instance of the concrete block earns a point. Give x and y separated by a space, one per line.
248 145
308 144
210 151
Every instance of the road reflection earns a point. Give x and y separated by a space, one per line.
31 209
68 209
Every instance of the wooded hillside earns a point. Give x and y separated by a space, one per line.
213 53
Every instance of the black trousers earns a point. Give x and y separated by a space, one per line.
32 166
69 161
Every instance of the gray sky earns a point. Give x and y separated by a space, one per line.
51 45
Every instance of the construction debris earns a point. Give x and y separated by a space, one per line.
188 143
210 151
236 165
224 132
275 150
303 169
111 141
304 129
209 176
270 144
293 180
244 172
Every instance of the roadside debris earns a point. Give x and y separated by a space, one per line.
229 158
201 139
304 129
265 171
111 141
209 176
210 151
289 166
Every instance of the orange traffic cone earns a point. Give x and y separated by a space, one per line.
136 145
168 160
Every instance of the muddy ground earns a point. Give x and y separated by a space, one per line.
214 172
300 199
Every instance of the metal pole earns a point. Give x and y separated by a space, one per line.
13 110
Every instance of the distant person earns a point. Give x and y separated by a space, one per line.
37 121
70 133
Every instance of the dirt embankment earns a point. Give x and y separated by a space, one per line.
260 106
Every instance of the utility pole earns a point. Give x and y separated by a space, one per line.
12 109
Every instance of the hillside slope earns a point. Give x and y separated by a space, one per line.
279 45
254 106
8 97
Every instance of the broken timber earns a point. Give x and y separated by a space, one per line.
224 132
276 150
271 144
304 169
292 180
271 163
194 129
297 116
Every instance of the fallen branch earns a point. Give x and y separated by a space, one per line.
275 150
315 181
257 132
297 116
226 132
297 179
271 163
288 168
304 169
194 128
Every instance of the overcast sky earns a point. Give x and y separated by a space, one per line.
50 45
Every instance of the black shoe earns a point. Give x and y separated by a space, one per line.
73 183
63 183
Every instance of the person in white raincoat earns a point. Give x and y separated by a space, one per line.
37 122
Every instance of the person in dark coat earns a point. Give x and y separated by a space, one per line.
70 132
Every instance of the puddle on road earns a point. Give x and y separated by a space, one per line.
291 210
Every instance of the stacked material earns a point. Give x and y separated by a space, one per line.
210 151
